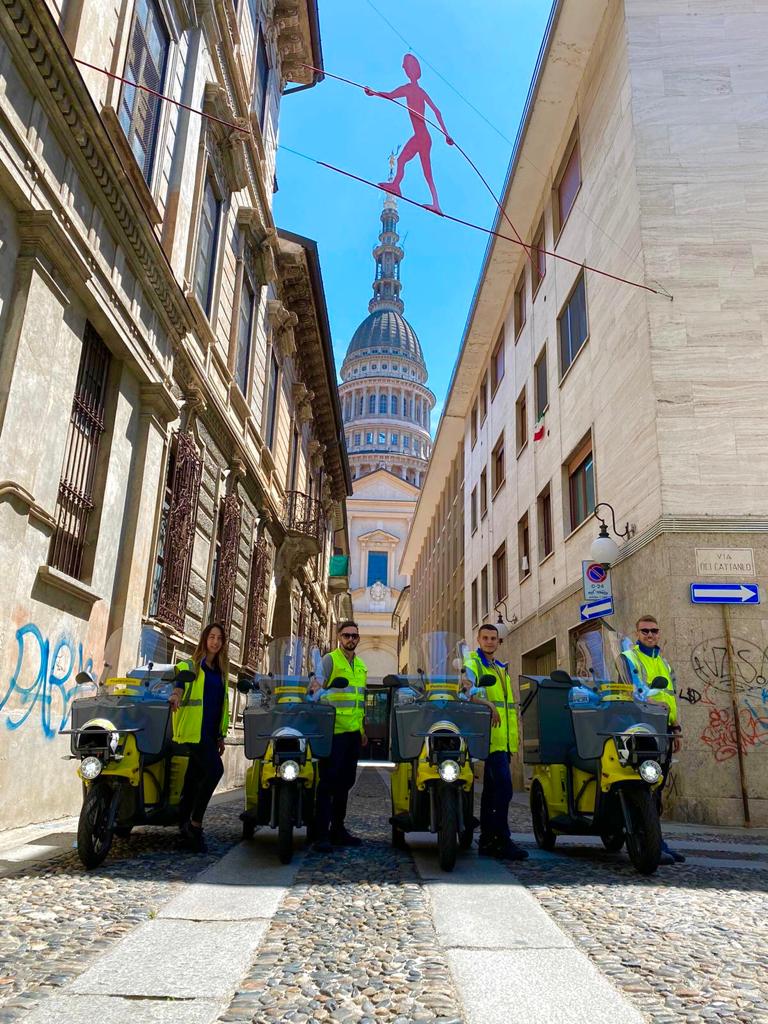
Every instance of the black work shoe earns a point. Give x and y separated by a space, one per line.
666 852
192 838
508 850
322 846
487 847
345 838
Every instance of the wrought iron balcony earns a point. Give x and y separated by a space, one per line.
303 518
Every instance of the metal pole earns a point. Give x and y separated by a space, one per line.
736 719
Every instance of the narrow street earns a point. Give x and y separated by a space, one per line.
379 935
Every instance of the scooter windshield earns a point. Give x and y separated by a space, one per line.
288 659
599 656
438 657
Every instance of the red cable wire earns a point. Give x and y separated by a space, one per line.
517 239
162 96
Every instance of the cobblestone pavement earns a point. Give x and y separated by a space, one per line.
57 918
689 944
354 939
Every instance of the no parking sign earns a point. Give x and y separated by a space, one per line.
596 580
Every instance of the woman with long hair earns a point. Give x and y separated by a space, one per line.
200 723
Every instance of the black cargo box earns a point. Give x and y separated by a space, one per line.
547 726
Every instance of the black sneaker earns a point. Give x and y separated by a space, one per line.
345 838
508 850
192 838
667 852
487 847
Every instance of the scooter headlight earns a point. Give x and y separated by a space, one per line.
449 771
90 767
650 772
289 771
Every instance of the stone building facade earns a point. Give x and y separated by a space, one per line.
171 448
639 154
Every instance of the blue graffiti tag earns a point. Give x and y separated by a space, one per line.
49 686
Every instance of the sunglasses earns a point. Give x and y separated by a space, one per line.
350 636
648 630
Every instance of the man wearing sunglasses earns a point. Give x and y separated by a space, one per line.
339 771
647 664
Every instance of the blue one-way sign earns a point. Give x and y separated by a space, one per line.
725 593
596 609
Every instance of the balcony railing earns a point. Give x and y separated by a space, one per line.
303 517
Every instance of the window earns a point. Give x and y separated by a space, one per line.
369 437
294 464
483 494
145 65
76 498
410 408
406 441
269 423
524 546
544 512
572 325
521 422
473 424
393 405
261 80
244 332
357 439
484 398
538 259
519 308
500 574
497 362
371 404
395 439
568 184
473 509
540 383
377 567
205 260
382 437
581 485
484 590
498 468
416 446
382 405
475 609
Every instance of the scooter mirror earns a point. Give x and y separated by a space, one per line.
392 682
487 679
559 675
185 675
84 677
660 683
338 684
244 684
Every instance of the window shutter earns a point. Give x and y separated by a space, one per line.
180 531
261 569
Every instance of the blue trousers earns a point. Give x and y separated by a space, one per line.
337 776
496 796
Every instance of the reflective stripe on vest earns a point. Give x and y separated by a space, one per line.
504 736
350 701
188 720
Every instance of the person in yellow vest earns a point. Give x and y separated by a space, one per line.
339 771
647 664
495 839
200 723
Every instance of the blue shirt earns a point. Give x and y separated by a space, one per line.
213 703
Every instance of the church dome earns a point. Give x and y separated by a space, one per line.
386 331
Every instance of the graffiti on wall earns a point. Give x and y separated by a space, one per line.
43 683
710 662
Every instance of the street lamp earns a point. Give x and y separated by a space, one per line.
503 622
604 548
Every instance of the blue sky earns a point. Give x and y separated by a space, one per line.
487 52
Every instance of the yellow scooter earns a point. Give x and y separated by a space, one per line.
435 737
286 731
598 750
132 773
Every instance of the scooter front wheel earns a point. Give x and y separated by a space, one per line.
94 837
286 805
543 834
448 826
644 837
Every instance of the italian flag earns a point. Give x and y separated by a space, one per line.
538 430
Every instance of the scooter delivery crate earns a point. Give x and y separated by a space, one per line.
150 715
412 722
314 722
548 736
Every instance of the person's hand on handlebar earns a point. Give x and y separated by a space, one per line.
315 685
175 699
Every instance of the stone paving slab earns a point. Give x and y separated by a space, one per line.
181 959
87 1009
247 884
703 845
536 987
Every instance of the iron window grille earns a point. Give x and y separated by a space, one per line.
226 562
261 569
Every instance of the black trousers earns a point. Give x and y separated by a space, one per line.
204 771
496 796
337 776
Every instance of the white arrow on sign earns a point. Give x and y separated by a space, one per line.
596 609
